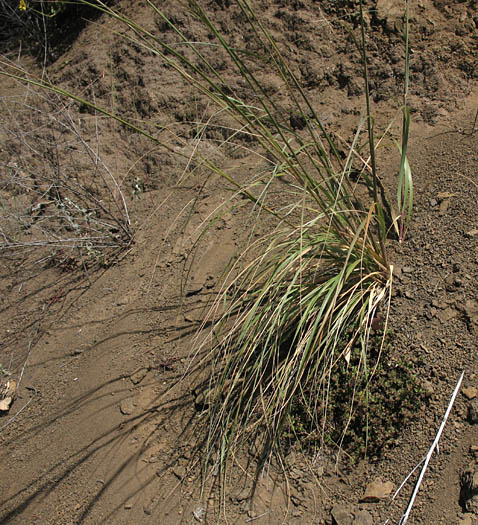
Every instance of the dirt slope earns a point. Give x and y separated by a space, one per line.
100 430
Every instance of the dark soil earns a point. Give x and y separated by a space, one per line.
102 429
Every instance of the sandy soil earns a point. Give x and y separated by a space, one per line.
102 427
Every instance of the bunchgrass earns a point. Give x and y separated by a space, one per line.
299 297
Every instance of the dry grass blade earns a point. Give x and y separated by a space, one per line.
58 196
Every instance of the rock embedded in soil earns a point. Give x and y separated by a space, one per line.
469 489
473 411
470 392
377 491
342 515
466 520
346 515
362 517
390 14
179 472
127 407
428 388
137 376
471 312
447 315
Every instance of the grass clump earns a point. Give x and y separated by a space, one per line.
302 298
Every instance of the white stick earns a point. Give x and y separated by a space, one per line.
430 452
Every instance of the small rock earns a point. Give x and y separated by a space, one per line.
428 387
179 472
7 394
127 407
473 411
444 207
472 504
470 392
447 314
147 510
397 272
439 304
194 289
471 233
433 202
469 489
341 515
239 496
128 505
199 513
407 269
362 517
471 313
210 282
445 195
137 376
466 520
377 490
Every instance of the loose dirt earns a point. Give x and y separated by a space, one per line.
102 427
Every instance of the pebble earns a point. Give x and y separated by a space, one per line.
447 315
179 472
473 411
127 407
428 387
138 376
341 515
362 517
377 490
470 392
345 515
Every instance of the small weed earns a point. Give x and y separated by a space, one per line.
383 404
